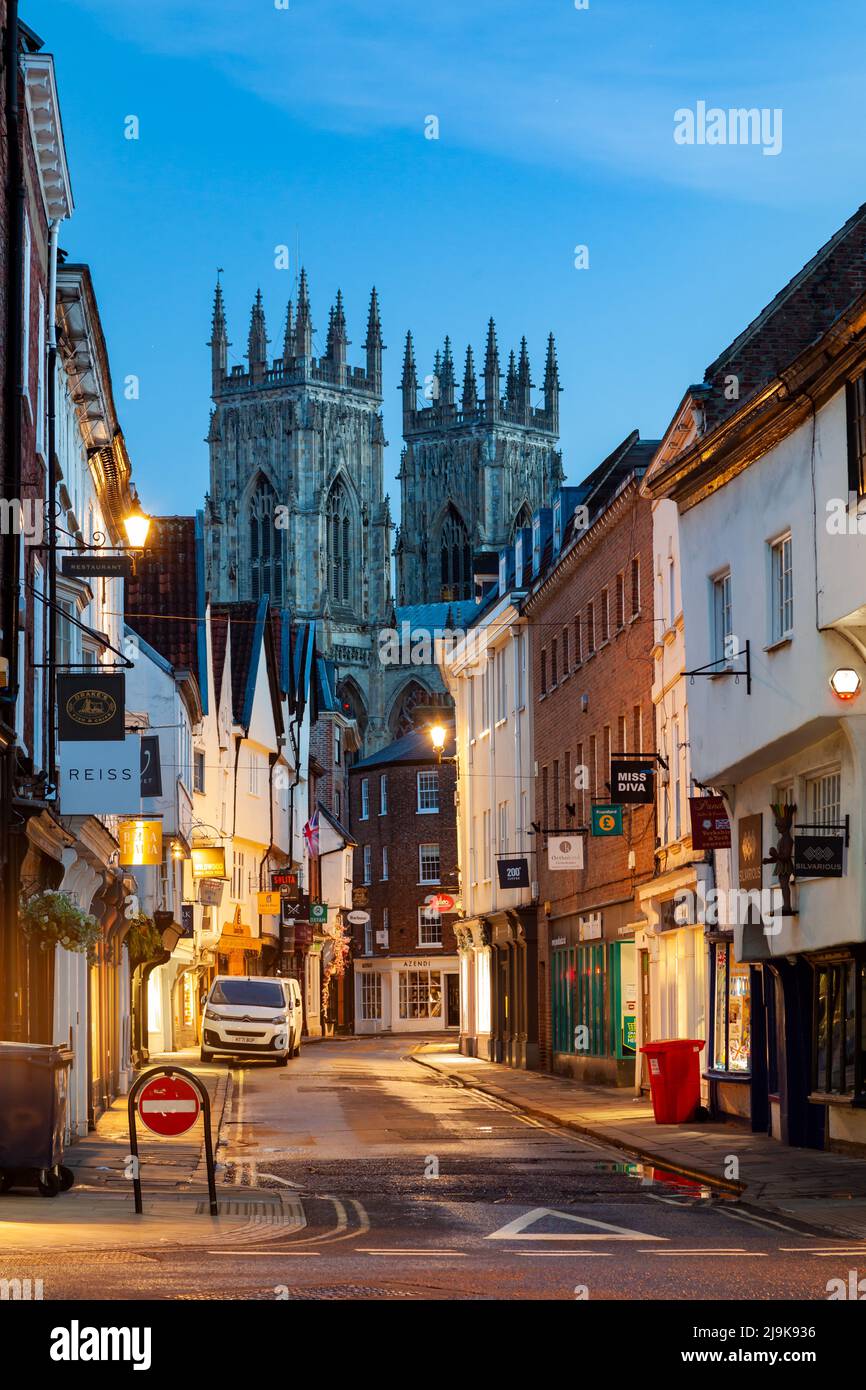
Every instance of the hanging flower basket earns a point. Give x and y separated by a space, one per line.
53 919
143 940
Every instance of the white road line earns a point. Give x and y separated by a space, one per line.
446 1254
273 1177
821 1254
760 1221
271 1254
561 1254
748 1254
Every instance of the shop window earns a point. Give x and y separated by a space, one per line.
824 800
371 997
731 1012
840 996
420 994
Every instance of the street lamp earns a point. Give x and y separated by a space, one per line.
136 525
437 738
845 683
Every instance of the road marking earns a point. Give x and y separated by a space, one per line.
562 1254
447 1254
824 1254
750 1254
760 1221
273 1177
271 1254
515 1230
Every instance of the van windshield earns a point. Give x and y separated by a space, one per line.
265 994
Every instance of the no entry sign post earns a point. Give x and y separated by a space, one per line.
168 1101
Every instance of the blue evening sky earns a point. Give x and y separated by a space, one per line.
262 125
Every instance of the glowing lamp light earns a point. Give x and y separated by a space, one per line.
845 683
437 736
137 525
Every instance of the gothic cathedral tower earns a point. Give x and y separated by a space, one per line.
472 473
296 508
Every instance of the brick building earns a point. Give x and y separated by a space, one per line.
590 611
405 957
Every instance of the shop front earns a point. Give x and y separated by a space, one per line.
672 957
594 996
729 1047
473 937
407 994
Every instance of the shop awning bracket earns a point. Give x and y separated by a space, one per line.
844 827
712 668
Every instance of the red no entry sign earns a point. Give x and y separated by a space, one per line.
169 1105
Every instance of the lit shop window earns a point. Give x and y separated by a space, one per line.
733 1013
420 994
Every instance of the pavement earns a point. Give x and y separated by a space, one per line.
826 1190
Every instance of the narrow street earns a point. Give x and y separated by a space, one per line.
355 1172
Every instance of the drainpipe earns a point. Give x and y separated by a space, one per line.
51 684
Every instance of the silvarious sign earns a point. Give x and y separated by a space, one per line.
819 856
606 820
514 872
632 782
140 842
711 826
91 708
208 861
101 778
565 852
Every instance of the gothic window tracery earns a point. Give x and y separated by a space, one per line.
339 541
455 557
266 564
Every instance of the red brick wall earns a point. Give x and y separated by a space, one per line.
615 680
402 830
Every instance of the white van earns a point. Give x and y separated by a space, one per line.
252 1016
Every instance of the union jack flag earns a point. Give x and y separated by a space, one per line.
311 835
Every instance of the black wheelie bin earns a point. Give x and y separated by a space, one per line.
33 1083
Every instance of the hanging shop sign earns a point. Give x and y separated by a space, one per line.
268 904
358 918
91 708
287 882
187 919
210 891
750 846
97 566
295 911
360 897
151 769
319 914
565 852
632 782
140 842
513 873
606 820
208 861
101 779
819 856
711 826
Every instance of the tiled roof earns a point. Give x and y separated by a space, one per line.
162 597
799 314
414 747
245 619
426 617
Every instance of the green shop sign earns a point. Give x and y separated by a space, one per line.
319 914
607 820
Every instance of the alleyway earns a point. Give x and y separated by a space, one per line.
329 1188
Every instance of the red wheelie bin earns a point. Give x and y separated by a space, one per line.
675 1079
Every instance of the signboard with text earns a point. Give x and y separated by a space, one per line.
514 872
819 856
151 769
711 827
208 861
606 820
565 852
101 779
750 847
268 904
632 782
91 708
140 842
97 566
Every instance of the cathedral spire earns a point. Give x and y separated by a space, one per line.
491 374
511 380
437 379
470 394
374 345
337 340
303 323
219 342
552 387
257 343
524 383
446 390
409 382
289 335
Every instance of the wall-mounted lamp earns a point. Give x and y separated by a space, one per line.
845 683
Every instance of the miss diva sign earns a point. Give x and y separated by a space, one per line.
632 782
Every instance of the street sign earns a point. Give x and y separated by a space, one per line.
358 918
606 820
168 1105
819 856
711 828
97 566
91 708
632 782
513 873
169 1100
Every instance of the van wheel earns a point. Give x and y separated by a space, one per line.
296 1051
281 1060
205 1056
